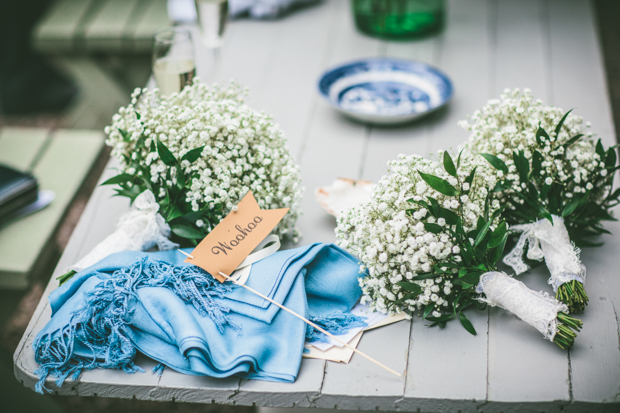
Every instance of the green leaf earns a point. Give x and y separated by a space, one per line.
501 186
193 155
434 228
522 164
498 251
470 178
173 213
439 185
449 164
462 272
558 128
572 140
126 136
610 159
540 134
434 210
427 310
185 231
458 160
166 156
482 233
471 278
466 323
450 216
424 276
118 179
497 236
421 203
496 162
537 160
410 286
600 150
571 206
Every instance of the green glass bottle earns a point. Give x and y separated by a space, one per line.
398 19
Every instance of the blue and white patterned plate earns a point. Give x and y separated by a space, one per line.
384 90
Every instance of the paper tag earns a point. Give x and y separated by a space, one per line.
235 237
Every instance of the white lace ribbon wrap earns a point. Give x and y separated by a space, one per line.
140 229
537 309
549 242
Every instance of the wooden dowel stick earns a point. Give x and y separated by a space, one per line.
310 323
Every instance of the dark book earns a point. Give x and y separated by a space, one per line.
17 190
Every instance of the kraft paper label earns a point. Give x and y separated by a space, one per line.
234 238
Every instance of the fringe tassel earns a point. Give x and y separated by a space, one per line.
100 325
334 323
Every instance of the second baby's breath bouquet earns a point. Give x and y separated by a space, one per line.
555 179
430 238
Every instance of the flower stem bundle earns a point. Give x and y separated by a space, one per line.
549 167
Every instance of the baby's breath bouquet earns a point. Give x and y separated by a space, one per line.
199 152
430 238
186 160
555 179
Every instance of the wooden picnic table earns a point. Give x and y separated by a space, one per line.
550 46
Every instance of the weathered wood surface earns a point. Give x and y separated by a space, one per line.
108 26
547 45
60 161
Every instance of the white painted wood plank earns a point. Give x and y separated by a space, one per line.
521 48
430 383
385 144
578 80
447 366
195 389
302 393
290 85
522 366
361 384
333 145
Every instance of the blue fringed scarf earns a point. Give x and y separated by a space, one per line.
126 303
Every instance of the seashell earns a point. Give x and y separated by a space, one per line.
343 194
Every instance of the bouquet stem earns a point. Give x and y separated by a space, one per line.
567 330
573 295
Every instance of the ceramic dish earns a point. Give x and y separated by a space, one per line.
385 91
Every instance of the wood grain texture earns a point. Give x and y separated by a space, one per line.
61 168
547 45
57 30
151 19
105 31
20 147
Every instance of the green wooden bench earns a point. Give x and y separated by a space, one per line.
104 26
105 46
60 160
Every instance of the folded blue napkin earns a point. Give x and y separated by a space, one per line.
179 315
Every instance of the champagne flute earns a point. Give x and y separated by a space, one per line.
173 60
212 16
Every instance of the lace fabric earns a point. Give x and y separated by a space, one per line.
549 242
537 309
140 229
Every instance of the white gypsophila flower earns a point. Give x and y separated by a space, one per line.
511 123
243 150
388 235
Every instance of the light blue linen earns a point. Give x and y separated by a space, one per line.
179 316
